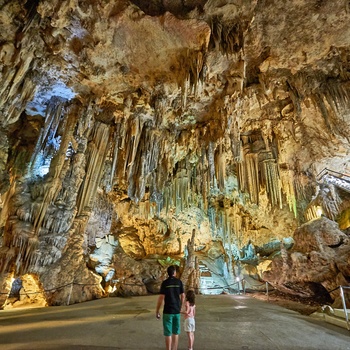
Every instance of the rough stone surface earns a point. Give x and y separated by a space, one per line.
316 265
125 125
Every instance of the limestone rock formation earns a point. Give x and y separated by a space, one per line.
316 265
127 124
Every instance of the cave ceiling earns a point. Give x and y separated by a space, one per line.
126 124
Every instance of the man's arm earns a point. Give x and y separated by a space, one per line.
159 304
182 298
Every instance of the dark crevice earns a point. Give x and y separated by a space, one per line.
179 8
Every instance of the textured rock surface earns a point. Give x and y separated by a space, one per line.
125 125
317 263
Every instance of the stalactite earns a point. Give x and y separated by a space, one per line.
25 241
242 168
142 161
166 199
234 108
204 177
97 151
318 99
184 92
237 219
18 62
260 168
53 187
184 191
273 186
197 61
17 77
136 132
178 201
211 165
58 242
5 202
212 220
288 184
252 173
114 162
35 213
18 103
160 108
47 134
236 141
241 176
226 225
220 167
227 38
7 254
337 98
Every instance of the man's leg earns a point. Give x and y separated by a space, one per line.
175 331
168 329
174 341
168 343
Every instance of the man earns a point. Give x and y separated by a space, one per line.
172 294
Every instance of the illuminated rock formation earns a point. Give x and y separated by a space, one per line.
125 125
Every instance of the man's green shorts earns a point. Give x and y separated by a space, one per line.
171 324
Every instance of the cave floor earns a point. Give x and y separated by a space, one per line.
222 322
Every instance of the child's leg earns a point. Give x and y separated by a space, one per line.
191 340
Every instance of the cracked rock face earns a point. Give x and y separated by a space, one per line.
135 134
318 262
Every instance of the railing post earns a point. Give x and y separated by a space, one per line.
70 293
344 307
239 288
267 290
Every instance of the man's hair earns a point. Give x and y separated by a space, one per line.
171 270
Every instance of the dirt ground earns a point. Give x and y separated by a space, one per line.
304 307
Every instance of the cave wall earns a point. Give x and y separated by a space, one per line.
126 125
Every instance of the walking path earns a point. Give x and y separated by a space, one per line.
223 322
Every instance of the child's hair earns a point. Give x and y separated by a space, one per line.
190 297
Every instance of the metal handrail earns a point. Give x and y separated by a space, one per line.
326 171
335 178
239 283
344 305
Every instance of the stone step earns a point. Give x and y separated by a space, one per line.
340 313
334 316
337 321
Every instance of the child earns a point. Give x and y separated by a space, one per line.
190 312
